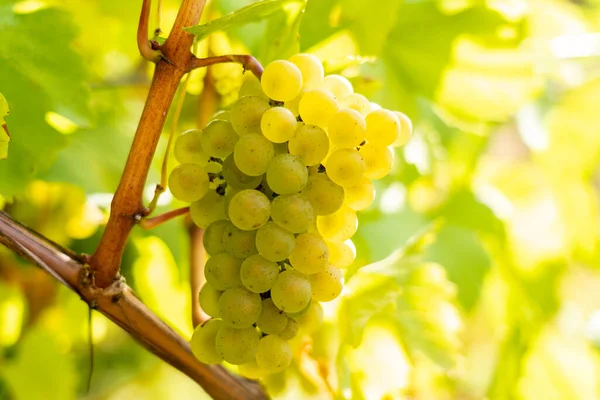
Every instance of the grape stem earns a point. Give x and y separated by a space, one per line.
247 61
150 223
143 43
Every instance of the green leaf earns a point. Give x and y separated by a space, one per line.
281 36
245 15
39 73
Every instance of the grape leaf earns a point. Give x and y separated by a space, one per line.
39 73
245 15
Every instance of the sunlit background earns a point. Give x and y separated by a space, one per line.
498 297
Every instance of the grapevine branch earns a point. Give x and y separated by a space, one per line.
248 62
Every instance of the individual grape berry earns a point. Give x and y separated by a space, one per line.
383 127
278 124
316 107
273 353
311 68
378 160
251 370
341 254
239 307
208 209
292 212
325 196
361 195
286 174
310 254
346 128
209 300
252 154
310 144
223 271
357 102
345 166
291 329
249 209
326 285
339 226
188 182
236 178
273 242
222 115
250 87
405 129
246 114
204 340
237 346
188 149
294 104
272 320
239 243
338 86
281 80
218 138
291 291
312 318
213 237
258 274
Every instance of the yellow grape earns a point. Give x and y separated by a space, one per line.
294 104
203 342
251 87
405 129
345 166
357 102
346 129
278 124
339 226
249 209
310 254
188 182
311 68
341 254
218 138
188 149
338 86
253 153
286 174
316 107
281 80
310 144
208 209
361 195
326 285
383 127
246 113
325 196
378 160
273 353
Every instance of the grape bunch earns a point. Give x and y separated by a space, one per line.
276 182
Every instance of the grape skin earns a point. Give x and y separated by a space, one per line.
345 166
361 195
213 237
239 307
310 254
223 271
188 182
339 226
237 346
203 342
272 320
278 124
273 353
188 149
281 80
338 86
246 114
286 174
311 69
310 144
383 127
218 139
326 285
291 291
378 160
325 196
341 254
291 329
273 242
258 274
347 129
209 300
239 243
236 178
252 154
292 212
249 209
316 107
208 209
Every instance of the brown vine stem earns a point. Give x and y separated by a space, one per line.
149 223
127 207
248 62
120 304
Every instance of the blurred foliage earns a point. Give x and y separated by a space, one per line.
477 268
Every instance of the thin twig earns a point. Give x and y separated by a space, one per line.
248 62
149 223
143 43
91 343
157 22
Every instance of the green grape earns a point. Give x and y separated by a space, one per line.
281 80
316 107
341 254
339 226
273 242
237 346
361 195
310 254
213 237
383 127
325 196
246 114
357 102
272 320
292 212
236 178
251 370
213 167
346 128
311 320
311 68
188 182
326 285
291 291
222 115
345 166
251 87
218 138
338 86
188 149
286 174
252 154
278 124
405 129
378 160
239 307
258 274
239 243
204 340
209 300
291 329
310 144
294 104
249 209
208 209
223 271
273 354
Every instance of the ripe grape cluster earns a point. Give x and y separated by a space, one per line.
276 182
